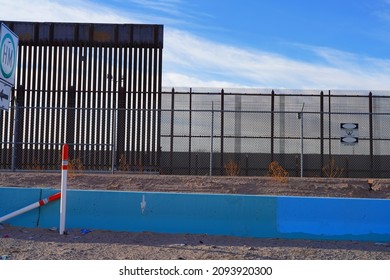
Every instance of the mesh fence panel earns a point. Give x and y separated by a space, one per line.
197 132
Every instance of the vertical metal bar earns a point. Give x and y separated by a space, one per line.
371 135
139 108
159 101
113 159
149 148
212 139
125 80
120 124
39 97
44 118
58 96
89 113
82 98
172 129
134 109
222 129
321 132
15 133
53 86
27 124
129 66
190 135
301 117
330 128
18 134
272 123
144 107
105 113
99 113
302 144
95 110
155 147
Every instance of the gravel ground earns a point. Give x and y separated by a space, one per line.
46 244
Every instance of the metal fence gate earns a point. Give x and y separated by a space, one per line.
96 87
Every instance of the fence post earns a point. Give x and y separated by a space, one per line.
18 128
212 138
272 123
172 129
371 136
190 136
300 116
321 132
121 131
222 128
64 181
15 136
113 140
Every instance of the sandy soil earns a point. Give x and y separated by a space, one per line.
26 243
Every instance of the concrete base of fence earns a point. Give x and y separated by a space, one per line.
216 214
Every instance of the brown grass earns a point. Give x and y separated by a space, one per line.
277 172
331 170
232 168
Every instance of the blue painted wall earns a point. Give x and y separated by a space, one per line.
235 215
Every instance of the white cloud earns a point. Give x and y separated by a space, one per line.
193 61
60 11
205 59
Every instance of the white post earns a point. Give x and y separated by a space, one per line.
64 182
30 207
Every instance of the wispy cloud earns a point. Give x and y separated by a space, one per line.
188 54
64 11
193 61
167 6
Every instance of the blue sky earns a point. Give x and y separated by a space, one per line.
297 44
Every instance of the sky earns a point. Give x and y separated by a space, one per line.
279 44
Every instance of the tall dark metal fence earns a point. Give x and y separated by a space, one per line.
94 86
203 130
98 87
198 132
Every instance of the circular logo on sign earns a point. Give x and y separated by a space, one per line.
7 56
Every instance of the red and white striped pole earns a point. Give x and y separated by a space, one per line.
31 206
64 182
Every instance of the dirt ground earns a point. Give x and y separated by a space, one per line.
27 243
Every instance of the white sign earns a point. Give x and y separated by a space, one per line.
8 59
349 133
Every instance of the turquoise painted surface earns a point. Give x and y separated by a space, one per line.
12 199
173 213
235 215
337 218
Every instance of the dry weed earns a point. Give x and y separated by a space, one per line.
277 172
232 168
75 166
331 170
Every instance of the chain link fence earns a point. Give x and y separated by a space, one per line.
203 132
243 131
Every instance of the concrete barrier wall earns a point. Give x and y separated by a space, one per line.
217 214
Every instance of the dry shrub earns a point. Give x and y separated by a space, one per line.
277 172
331 170
232 168
75 166
123 165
